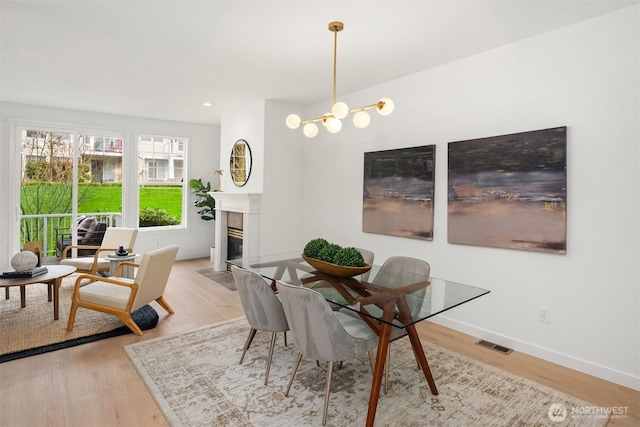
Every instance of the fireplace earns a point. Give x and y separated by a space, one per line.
237 226
235 235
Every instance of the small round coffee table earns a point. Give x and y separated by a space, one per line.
52 278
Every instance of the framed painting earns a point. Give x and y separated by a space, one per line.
398 192
509 191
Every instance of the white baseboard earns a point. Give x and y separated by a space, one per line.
580 365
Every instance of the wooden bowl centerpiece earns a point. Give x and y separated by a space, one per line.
334 260
336 270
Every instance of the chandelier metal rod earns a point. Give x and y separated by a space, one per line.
378 104
335 58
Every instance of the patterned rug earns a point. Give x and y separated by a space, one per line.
224 278
32 330
196 380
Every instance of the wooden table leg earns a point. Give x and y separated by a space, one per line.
56 296
6 292
405 317
23 297
381 357
422 359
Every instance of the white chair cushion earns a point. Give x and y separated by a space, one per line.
85 263
108 294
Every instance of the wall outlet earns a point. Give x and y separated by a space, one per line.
544 314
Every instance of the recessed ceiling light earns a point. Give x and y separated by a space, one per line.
207 104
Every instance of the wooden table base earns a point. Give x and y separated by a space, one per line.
393 302
384 334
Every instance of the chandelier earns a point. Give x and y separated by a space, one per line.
333 120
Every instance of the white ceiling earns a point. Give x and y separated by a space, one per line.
163 59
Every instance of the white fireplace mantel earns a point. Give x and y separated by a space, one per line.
249 205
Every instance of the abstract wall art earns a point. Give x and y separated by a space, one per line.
509 191
398 192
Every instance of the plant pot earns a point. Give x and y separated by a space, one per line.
335 270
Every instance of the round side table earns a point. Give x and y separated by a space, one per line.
115 260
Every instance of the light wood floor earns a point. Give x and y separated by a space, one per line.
96 385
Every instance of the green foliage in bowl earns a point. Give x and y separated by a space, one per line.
349 256
330 252
313 247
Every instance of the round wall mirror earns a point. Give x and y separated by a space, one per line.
240 163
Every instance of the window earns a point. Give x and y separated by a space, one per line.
157 170
49 195
160 179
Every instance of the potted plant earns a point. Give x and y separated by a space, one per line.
205 203
333 259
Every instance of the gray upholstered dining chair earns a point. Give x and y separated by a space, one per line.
262 309
388 276
323 334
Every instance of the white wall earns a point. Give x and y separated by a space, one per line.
247 124
283 184
586 77
276 171
203 158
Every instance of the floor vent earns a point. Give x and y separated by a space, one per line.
496 347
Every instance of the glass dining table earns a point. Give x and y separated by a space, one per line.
386 299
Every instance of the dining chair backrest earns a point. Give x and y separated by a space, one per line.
153 274
403 264
317 332
368 257
388 276
262 307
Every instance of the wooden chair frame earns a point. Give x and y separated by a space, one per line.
122 314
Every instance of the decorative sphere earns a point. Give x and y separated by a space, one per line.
24 261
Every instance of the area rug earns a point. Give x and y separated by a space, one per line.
32 330
196 380
224 278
